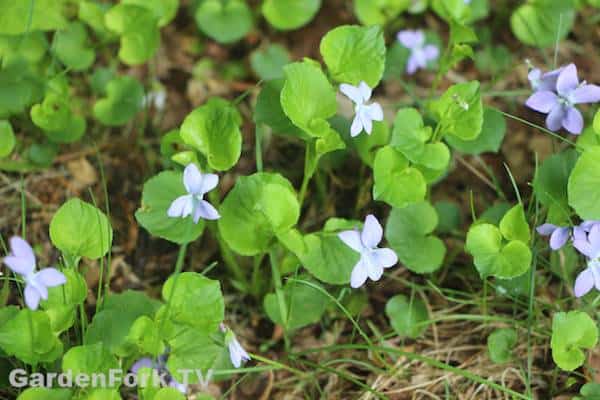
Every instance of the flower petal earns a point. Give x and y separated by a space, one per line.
584 282
356 127
181 207
51 277
372 232
586 94
205 210
365 91
546 229
559 238
567 80
573 121
192 179
351 239
411 39
352 92
385 257
180 387
144 362
209 182
374 111
431 52
359 275
594 239
366 120
32 297
554 120
542 101
412 65
22 257
374 271
584 247
18 265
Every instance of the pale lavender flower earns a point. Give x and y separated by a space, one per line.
160 366
22 261
197 185
365 113
237 354
543 80
590 247
560 106
420 53
559 235
372 259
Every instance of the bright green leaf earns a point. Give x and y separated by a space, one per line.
460 111
500 344
124 97
541 23
584 185
268 63
7 138
490 139
571 333
407 316
290 14
72 48
225 22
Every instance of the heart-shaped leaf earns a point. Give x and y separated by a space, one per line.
584 185
460 111
124 98
226 22
572 332
290 14
72 48
396 182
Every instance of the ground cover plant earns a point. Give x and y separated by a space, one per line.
282 199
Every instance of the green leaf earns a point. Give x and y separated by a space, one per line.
346 50
290 14
258 208
268 111
596 123
158 194
192 349
550 182
407 316
197 301
42 393
169 394
589 391
71 47
112 325
542 23
367 145
460 111
451 10
214 130
63 299
27 335
323 254
88 360
491 257
80 229
124 97
450 216
410 137
30 47
305 305
379 12
164 10
501 344
584 185
572 332
93 14
225 22
145 336
20 86
19 17
268 63
396 182
514 226
408 231
138 29
7 138
55 117
490 139
307 97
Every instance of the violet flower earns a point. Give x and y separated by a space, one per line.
372 259
237 354
197 185
560 106
543 80
160 366
22 261
420 53
365 113
559 235
590 277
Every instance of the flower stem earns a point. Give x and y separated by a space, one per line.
279 293
178 268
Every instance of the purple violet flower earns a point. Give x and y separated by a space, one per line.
560 106
559 235
372 259
22 261
365 113
420 53
543 80
160 366
197 185
590 247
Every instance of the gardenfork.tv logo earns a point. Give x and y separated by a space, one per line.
114 378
